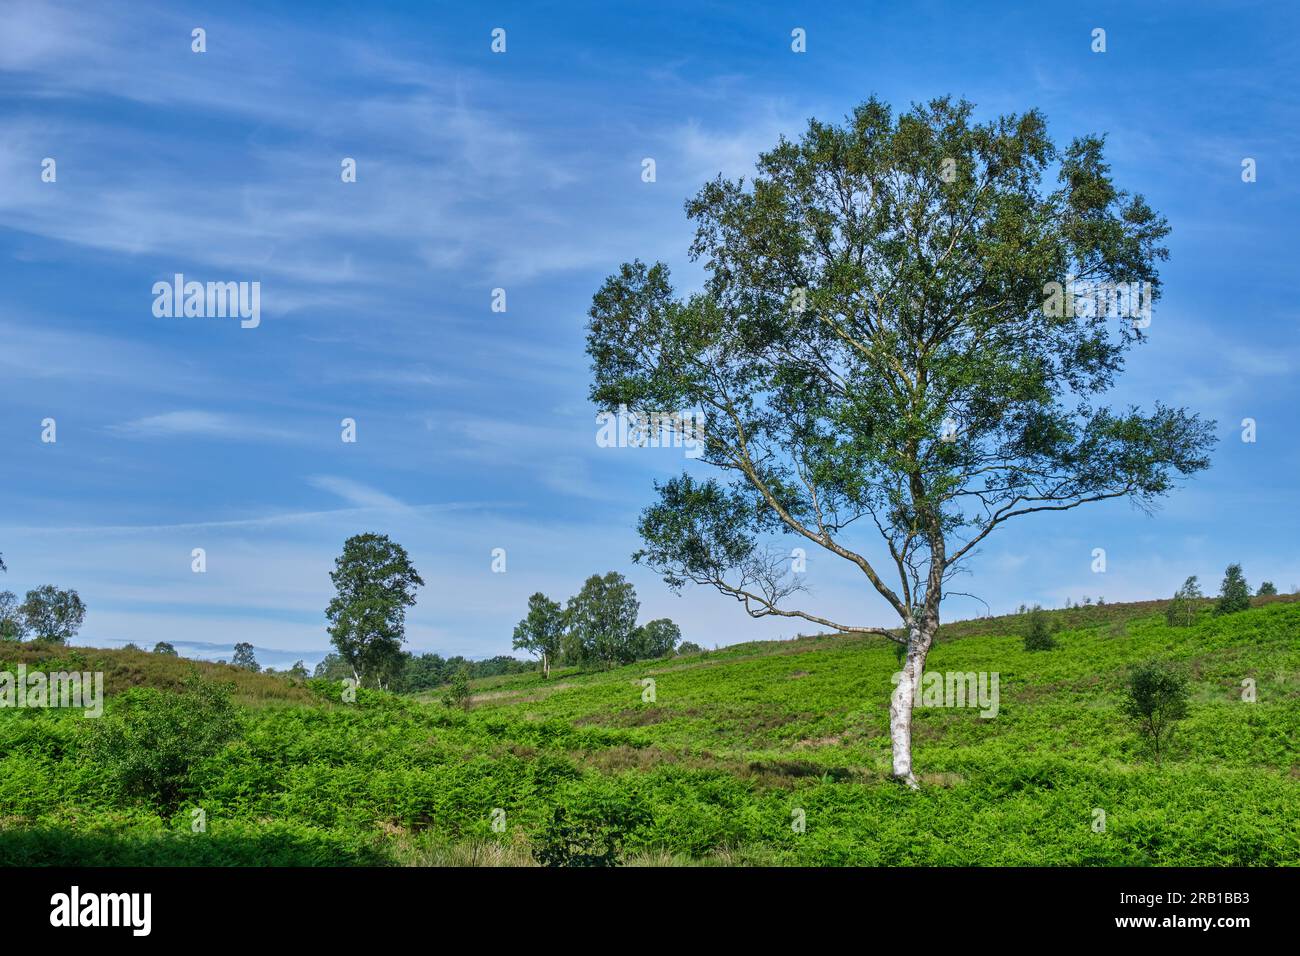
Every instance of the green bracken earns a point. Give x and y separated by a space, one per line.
714 769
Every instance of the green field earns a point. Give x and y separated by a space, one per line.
738 745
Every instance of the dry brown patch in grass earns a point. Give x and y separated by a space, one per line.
523 696
623 757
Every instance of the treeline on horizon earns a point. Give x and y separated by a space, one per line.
595 629
418 672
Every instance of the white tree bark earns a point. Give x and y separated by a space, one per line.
904 699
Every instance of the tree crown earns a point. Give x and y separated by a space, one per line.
879 337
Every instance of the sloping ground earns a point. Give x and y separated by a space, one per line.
736 747
123 669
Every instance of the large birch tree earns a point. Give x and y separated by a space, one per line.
894 359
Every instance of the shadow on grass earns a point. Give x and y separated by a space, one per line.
51 846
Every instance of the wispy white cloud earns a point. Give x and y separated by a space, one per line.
355 493
201 424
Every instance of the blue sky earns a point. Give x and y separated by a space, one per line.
523 171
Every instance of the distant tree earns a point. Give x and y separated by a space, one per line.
130 646
162 647
601 618
1266 589
13 623
1038 635
375 583
542 631
1181 611
1234 593
244 657
655 639
298 670
424 672
688 647
500 664
458 694
1156 698
332 667
389 671
53 614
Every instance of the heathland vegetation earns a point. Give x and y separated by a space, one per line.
757 753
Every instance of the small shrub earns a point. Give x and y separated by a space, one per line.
458 693
592 834
150 741
578 842
1156 698
1038 636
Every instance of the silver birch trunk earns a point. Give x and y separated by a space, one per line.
904 699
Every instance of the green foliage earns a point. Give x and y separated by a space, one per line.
654 639
829 388
1267 589
1156 698
582 842
712 771
244 657
542 630
1181 611
375 584
426 671
458 693
163 647
1234 593
332 667
13 623
600 621
1038 633
53 614
423 672
874 283
150 740
597 628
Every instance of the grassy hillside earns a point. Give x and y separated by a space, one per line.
737 744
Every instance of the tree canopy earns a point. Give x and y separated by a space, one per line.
375 584
895 334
